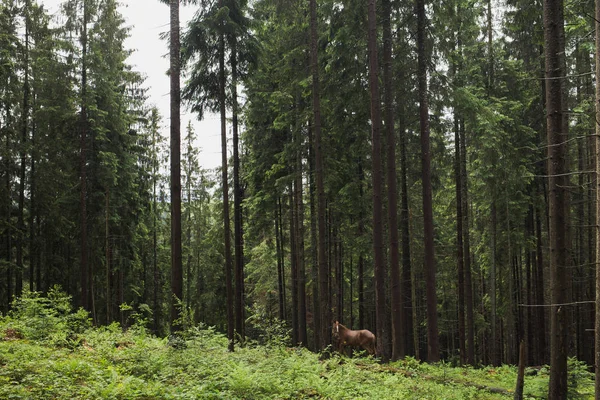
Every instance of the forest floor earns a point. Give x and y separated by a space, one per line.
48 355
106 363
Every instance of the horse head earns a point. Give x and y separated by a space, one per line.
335 330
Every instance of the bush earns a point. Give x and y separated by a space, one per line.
44 318
269 330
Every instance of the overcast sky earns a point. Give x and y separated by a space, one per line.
147 19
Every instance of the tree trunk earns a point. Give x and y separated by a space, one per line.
188 274
313 242
294 263
557 184
34 256
597 157
459 244
361 258
85 279
23 169
8 232
237 203
430 267
495 356
539 294
155 271
469 301
107 255
398 345
407 284
225 183
325 310
380 298
301 277
280 275
176 259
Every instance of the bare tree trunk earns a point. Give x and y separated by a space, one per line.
325 311
521 373
294 263
107 256
380 300
237 200
313 242
541 357
430 267
8 232
398 345
459 243
557 184
23 169
280 270
361 259
225 183
469 301
85 279
34 256
155 271
302 333
407 283
176 260
495 357
597 157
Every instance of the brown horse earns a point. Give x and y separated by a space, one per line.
347 337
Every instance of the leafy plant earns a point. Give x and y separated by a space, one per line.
45 318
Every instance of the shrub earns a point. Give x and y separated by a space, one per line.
44 318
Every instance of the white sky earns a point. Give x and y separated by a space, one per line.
147 19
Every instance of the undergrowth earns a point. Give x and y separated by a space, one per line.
49 351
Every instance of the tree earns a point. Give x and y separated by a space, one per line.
79 14
398 350
24 144
430 269
557 184
176 255
85 270
325 311
380 299
8 88
597 157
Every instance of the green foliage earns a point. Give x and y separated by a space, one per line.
270 330
110 363
45 318
581 380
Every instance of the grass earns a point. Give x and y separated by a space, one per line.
72 360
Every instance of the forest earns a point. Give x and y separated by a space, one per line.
425 170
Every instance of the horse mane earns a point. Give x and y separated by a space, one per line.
342 326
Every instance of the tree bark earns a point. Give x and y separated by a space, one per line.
361 258
398 345
557 184
430 267
597 157
325 311
313 242
84 271
225 183
293 263
407 284
176 258
469 301
380 298
459 243
23 169
280 270
237 202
